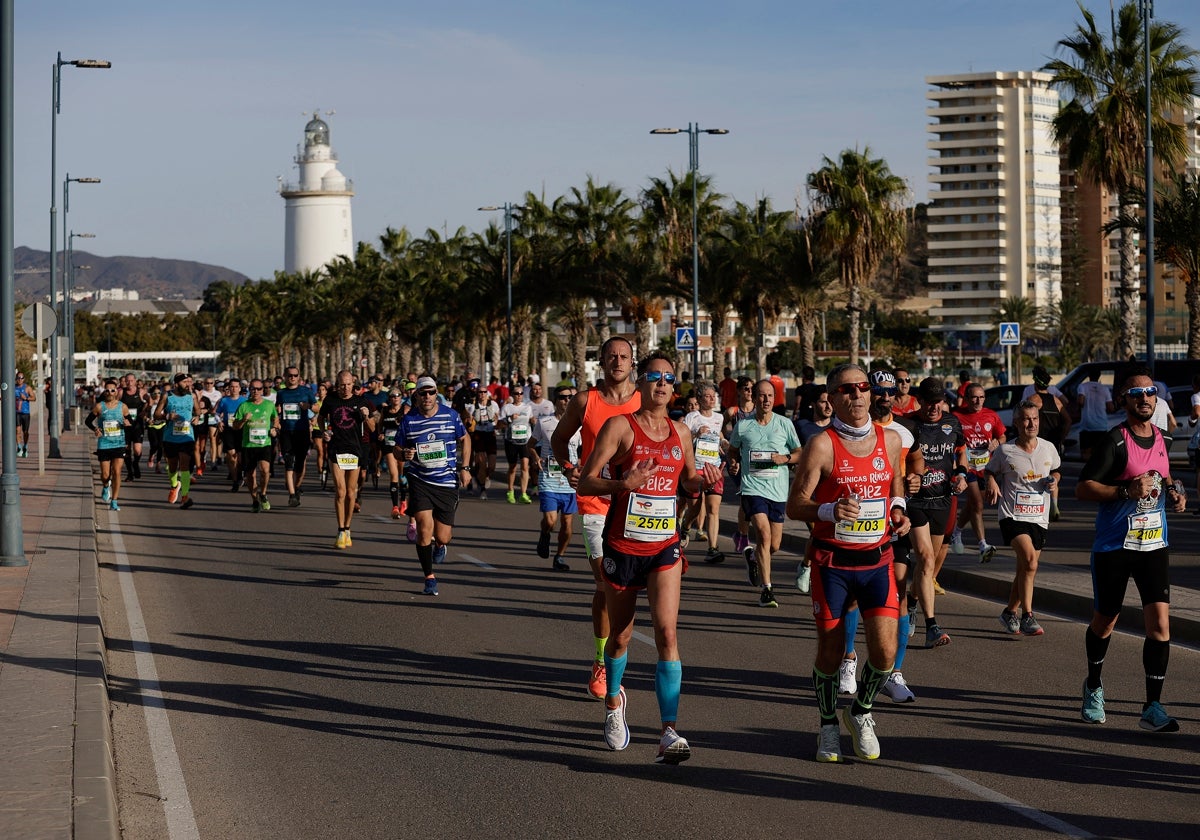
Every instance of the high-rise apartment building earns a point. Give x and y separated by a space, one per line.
994 216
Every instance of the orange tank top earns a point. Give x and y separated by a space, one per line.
870 478
595 415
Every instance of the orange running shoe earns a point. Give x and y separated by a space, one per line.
395 512
173 496
598 684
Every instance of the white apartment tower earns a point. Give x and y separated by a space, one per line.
994 223
317 224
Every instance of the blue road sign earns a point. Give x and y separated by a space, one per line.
1010 334
685 338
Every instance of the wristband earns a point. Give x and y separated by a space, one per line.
899 502
825 512
960 470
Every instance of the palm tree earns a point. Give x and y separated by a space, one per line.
1102 125
1177 237
859 218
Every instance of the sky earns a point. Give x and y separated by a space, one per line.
441 108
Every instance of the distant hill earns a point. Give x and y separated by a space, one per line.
151 277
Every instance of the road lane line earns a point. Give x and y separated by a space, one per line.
643 638
181 821
477 562
989 795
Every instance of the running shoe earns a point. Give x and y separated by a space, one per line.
935 636
1156 719
266 503
937 588
616 730
430 586
862 733
113 504
986 552
324 479
847 673
1029 626
411 534
598 684
684 538
483 495
255 504
341 540
348 541
559 565
187 503
395 511
713 556
829 743
543 545
173 495
956 541
294 500
752 572
106 493
804 578
200 472
403 507
511 497
525 500
1093 704
912 617
236 485
766 598
1010 622
357 506
672 748
439 553
896 689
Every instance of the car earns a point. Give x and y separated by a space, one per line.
1181 408
1003 399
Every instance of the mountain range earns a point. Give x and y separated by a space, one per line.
151 277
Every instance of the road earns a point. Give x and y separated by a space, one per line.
267 685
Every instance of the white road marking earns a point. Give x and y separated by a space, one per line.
477 562
643 638
989 795
181 821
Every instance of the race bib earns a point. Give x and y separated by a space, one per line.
1030 507
181 427
977 459
291 411
868 528
259 437
432 454
518 433
1145 531
132 415
112 429
760 461
649 518
708 451
347 461
389 437
553 467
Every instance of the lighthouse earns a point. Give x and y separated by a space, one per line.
316 209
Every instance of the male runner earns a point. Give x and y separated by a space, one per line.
984 431
556 497
258 421
293 402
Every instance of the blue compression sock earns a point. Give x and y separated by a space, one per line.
851 621
902 638
667 678
615 669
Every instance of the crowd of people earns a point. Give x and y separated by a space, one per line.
883 471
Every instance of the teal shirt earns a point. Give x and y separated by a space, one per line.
759 476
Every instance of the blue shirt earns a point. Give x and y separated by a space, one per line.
436 441
228 406
179 430
287 401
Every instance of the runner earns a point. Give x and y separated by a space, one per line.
293 403
849 485
486 414
743 410
1019 477
23 395
706 425
984 431
587 412
516 419
387 424
135 400
556 496
905 403
231 438
346 418
648 456
113 415
762 450
1129 475
318 433
179 408
258 421
435 450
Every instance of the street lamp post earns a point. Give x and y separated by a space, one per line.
68 325
508 208
1147 8
693 132
55 102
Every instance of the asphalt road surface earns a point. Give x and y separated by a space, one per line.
268 685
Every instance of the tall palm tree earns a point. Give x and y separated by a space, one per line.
1102 125
859 218
1177 237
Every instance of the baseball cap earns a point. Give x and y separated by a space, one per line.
180 377
533 379
427 382
931 390
1041 376
409 385
474 383
883 379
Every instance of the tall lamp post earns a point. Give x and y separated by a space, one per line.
69 318
68 370
693 132
508 208
1147 9
55 102
12 539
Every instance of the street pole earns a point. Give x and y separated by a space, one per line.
64 373
12 538
508 207
1147 14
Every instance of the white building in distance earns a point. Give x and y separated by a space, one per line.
994 221
317 224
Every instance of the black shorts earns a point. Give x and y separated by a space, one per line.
936 513
1010 529
774 511
514 452
632 571
231 440
294 446
172 449
110 454
483 442
443 501
133 434
23 422
255 454
1111 571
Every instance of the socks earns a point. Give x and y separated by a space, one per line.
394 489
425 556
868 687
1155 656
616 672
851 620
185 479
600 643
1096 648
668 676
902 647
826 686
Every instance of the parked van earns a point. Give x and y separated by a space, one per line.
1174 373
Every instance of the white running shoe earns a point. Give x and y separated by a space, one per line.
862 733
672 748
896 689
829 743
986 552
616 730
804 578
847 673
956 543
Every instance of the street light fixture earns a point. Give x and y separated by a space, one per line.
508 208
69 318
693 132
55 105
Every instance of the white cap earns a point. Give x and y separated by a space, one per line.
533 379
427 382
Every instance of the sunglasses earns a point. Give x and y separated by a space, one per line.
564 396
879 391
903 381
1149 391
659 375
425 392
291 375
847 389
256 387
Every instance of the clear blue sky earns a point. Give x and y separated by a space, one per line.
443 107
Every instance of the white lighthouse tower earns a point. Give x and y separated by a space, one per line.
317 209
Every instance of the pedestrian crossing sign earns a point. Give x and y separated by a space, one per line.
1010 333
685 338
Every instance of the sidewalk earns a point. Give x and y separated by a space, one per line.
56 769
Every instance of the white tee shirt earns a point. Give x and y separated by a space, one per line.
1093 417
1022 479
518 419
